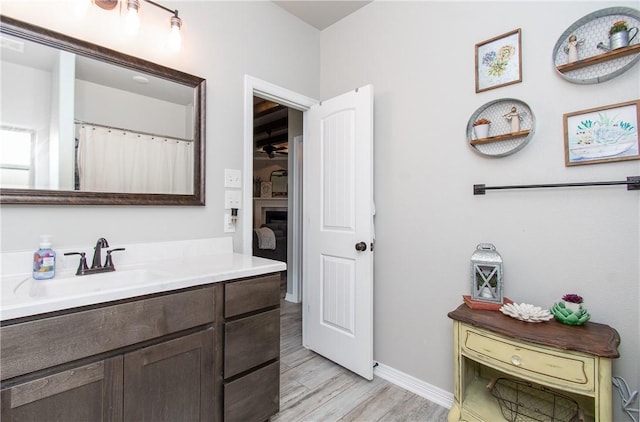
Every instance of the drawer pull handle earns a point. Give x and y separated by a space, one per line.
515 359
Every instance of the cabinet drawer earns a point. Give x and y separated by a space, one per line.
254 397
39 344
251 295
572 371
251 341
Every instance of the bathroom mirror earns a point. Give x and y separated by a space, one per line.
79 115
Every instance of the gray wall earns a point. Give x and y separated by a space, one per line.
222 41
420 58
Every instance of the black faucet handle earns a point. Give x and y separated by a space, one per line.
109 260
82 267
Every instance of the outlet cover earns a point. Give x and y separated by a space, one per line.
232 199
229 227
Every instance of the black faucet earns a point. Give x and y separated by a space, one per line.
96 265
97 254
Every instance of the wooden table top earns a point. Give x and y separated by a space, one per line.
592 338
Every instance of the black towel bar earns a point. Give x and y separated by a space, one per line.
632 182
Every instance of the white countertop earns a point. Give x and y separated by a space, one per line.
174 265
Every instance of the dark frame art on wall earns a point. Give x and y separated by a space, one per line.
499 61
602 134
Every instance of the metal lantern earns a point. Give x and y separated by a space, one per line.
486 274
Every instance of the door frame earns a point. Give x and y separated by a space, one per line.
263 89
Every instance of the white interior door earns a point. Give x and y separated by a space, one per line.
338 231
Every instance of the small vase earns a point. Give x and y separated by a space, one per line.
481 131
573 307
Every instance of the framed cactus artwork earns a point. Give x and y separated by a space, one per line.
602 135
499 61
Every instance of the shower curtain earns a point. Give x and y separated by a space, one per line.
113 160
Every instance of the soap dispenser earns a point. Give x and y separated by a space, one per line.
44 260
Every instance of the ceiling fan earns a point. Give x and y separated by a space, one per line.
271 150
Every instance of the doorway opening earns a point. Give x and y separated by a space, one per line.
258 92
274 128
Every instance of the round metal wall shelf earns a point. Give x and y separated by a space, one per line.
596 63
502 140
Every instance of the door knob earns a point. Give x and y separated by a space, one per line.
361 246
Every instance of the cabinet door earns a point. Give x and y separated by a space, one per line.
171 381
87 393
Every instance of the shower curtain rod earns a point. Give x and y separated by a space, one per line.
156 135
632 182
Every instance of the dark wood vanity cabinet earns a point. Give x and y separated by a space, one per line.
251 369
150 359
202 354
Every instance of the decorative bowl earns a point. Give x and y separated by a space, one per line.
526 312
567 316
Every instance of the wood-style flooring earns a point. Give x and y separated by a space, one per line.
315 389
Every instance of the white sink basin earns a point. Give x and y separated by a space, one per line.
71 285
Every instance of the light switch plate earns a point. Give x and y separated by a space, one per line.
232 178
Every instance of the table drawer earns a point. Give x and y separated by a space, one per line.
568 370
251 295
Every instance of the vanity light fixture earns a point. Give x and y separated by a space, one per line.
175 38
132 18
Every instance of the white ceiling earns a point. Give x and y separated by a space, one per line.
321 13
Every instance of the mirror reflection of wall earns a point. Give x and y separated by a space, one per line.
46 92
36 99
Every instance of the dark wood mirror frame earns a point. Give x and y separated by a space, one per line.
52 197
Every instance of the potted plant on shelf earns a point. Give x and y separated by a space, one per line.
481 128
619 35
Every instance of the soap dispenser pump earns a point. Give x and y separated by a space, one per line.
44 260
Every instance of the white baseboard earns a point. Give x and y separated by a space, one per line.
291 298
421 388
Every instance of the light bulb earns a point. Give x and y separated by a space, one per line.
132 19
80 8
175 38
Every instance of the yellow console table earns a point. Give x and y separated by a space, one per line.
573 361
